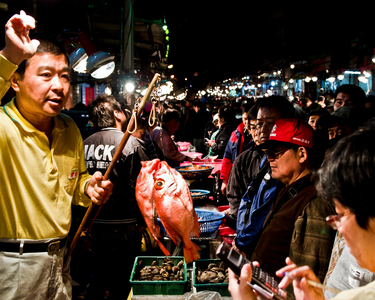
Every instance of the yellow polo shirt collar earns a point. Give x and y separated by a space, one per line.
12 111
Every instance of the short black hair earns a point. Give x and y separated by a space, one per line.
279 103
48 44
348 175
170 114
226 112
357 94
101 111
253 112
198 103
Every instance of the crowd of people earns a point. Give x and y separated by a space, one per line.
287 166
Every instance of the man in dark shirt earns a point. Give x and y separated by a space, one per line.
118 226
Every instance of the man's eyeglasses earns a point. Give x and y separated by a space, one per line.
271 154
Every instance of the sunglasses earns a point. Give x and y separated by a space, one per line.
271 154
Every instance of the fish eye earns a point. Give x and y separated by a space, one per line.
159 184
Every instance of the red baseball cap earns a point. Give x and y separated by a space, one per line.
292 131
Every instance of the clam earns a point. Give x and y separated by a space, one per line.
167 271
213 274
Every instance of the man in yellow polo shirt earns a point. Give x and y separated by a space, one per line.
42 167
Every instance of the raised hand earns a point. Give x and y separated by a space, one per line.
18 45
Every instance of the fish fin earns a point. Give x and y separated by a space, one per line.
196 231
162 248
172 234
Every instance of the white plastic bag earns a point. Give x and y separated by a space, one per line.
205 295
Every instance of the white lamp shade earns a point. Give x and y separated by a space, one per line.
100 64
78 60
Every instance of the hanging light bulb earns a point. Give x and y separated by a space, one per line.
367 73
307 79
332 78
292 66
285 87
362 78
314 78
373 57
291 80
340 76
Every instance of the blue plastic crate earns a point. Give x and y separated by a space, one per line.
209 221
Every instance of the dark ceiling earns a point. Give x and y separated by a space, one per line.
218 40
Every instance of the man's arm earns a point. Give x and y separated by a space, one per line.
313 238
18 45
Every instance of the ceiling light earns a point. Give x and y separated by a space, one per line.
341 76
332 79
314 78
362 78
100 64
78 60
367 73
129 87
292 66
108 91
308 79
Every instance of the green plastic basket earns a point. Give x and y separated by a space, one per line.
221 288
158 287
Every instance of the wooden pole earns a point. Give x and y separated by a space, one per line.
115 158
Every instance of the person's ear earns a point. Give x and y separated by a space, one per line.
302 154
118 115
14 81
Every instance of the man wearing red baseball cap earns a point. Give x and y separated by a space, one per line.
295 225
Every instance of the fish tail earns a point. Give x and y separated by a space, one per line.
191 253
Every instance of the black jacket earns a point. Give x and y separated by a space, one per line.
244 170
222 138
198 123
100 147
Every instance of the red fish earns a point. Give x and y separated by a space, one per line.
175 209
145 200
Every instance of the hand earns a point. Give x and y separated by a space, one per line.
302 289
18 45
224 187
209 143
239 289
196 159
238 250
99 190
